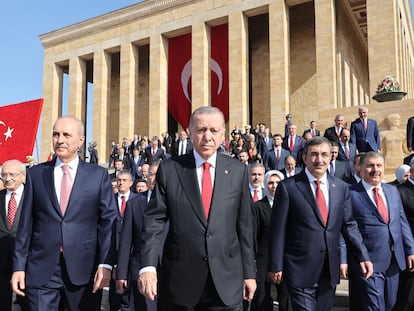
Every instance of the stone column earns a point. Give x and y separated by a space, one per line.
200 59
128 86
52 104
382 51
77 88
100 116
325 29
238 71
158 101
279 64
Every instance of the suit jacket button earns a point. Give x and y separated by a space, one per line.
208 234
205 258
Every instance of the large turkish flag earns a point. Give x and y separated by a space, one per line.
18 129
179 74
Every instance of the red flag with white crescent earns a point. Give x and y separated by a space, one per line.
18 129
180 71
179 78
219 65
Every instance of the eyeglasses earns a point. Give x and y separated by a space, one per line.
12 175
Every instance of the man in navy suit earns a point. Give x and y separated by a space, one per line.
208 258
153 153
347 150
310 211
364 132
274 159
378 210
293 142
65 241
338 168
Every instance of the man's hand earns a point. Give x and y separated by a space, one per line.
18 282
344 270
276 277
367 269
102 278
249 287
121 285
410 263
147 284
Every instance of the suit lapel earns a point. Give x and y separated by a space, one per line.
49 185
364 197
80 178
302 183
189 182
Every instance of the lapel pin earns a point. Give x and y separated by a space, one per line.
333 185
226 172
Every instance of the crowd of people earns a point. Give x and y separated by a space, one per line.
197 222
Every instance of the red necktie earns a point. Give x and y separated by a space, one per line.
123 205
321 202
255 196
65 188
153 152
291 143
382 209
11 210
206 188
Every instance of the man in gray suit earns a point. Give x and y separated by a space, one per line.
13 175
208 257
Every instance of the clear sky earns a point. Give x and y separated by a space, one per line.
21 23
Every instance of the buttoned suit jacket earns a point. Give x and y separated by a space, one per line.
365 141
410 133
195 247
129 251
272 163
352 153
379 237
297 147
121 218
331 134
86 229
299 242
147 156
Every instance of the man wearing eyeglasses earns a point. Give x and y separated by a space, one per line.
13 175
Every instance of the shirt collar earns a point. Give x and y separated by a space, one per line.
72 164
369 187
199 160
18 191
311 178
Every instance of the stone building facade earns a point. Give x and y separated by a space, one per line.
313 59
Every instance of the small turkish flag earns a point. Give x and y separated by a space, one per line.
18 129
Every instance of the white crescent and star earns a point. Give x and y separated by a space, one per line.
186 75
8 133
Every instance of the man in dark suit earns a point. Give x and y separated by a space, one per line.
347 150
274 159
182 146
310 211
333 133
167 142
65 241
364 132
13 175
135 164
337 168
290 168
124 157
153 153
410 134
207 264
118 300
312 130
380 216
119 166
293 142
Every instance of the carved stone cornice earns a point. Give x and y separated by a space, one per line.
109 20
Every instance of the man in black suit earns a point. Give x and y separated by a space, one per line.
153 153
333 133
207 264
182 146
338 168
310 211
118 300
125 158
119 166
347 150
13 175
290 168
410 134
274 159
312 129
